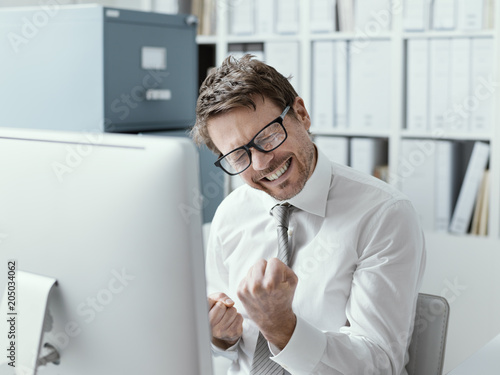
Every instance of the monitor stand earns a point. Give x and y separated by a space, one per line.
22 315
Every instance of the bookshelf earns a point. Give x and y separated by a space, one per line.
471 262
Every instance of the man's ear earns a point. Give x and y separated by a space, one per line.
301 113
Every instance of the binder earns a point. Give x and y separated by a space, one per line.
470 14
242 20
417 85
323 84
372 13
465 204
447 184
207 21
482 88
417 173
444 14
485 205
341 86
237 50
256 49
489 14
439 82
456 119
369 79
287 16
415 15
346 15
323 16
480 217
368 153
336 148
284 57
264 17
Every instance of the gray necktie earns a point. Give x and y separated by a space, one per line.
262 364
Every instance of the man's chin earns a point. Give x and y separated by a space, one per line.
282 192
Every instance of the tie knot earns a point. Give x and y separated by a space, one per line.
281 213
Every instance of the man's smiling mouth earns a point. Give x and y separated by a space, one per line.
277 174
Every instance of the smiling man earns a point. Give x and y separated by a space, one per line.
312 267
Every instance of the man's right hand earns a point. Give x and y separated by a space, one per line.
226 323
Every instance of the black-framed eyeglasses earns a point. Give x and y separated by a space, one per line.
268 139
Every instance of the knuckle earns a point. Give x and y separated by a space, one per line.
242 293
216 296
221 295
255 288
261 262
269 283
275 262
231 312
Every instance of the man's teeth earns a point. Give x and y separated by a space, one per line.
278 174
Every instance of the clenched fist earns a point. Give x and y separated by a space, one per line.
267 294
226 323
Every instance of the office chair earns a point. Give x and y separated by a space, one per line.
428 341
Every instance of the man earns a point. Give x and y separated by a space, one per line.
342 301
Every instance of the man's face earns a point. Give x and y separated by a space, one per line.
296 156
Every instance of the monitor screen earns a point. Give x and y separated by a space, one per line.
113 219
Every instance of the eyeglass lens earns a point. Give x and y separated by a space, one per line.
266 140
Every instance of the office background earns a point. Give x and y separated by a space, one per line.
406 91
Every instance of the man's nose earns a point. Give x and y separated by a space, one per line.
260 160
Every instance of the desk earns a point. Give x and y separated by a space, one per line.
486 361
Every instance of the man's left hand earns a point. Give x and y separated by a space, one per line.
267 294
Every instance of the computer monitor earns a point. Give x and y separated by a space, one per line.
116 221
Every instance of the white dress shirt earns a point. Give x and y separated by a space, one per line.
359 254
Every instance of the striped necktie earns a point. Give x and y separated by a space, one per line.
262 364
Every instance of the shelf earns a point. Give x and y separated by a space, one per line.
294 37
384 35
446 135
488 33
262 38
351 133
206 39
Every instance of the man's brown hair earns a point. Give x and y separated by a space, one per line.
235 84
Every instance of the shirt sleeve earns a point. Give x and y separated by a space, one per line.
230 353
380 309
217 281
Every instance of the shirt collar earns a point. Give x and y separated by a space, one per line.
312 198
